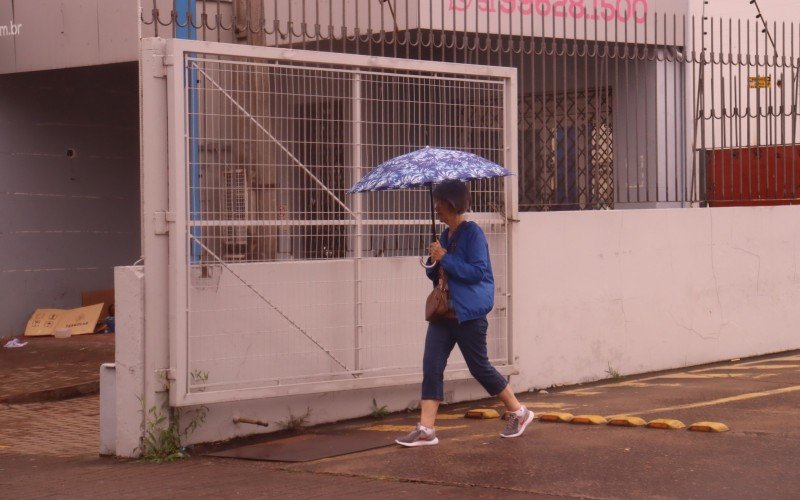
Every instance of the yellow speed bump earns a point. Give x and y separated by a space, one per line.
482 413
555 416
589 420
665 423
625 421
708 427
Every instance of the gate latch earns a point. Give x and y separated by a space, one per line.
161 221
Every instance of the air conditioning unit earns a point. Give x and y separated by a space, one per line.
236 206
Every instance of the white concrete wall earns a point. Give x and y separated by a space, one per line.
645 290
633 290
67 33
70 186
53 34
129 358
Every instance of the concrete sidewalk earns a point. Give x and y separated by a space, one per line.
758 399
50 369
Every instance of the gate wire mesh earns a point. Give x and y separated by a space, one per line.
292 280
705 110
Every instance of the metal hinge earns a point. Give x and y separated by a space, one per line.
160 64
166 373
162 220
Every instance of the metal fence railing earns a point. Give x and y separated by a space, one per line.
618 107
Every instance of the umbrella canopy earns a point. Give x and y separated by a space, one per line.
426 167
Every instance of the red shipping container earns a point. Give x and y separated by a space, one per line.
766 175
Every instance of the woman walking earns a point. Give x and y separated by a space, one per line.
463 254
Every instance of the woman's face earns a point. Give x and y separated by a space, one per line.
444 210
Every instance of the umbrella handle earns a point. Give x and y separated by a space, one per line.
423 264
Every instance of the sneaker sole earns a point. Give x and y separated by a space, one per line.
522 428
418 443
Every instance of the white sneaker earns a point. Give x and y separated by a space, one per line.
418 437
516 425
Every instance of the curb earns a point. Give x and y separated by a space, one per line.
54 394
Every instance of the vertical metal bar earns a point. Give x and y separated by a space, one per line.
749 120
758 118
358 249
681 147
678 67
186 9
303 23
608 109
204 18
782 109
546 149
772 146
793 111
317 27
728 108
565 109
694 84
177 92
589 116
713 96
700 118
154 147
642 166
579 122
777 114
407 31
628 108
511 201
557 121
666 91
738 108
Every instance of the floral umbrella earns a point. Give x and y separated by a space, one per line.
426 167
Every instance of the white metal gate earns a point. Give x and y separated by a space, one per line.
280 282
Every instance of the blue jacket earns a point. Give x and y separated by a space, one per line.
469 272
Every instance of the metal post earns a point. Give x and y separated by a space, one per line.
358 227
511 207
187 10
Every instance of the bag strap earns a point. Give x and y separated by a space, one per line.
451 243
442 284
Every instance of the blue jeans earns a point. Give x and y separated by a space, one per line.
471 339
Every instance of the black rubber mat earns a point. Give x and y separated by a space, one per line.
312 446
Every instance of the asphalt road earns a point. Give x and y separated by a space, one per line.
759 400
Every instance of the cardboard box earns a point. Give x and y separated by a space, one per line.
105 297
79 321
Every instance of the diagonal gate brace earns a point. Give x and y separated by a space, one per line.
273 306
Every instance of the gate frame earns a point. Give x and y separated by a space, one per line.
165 211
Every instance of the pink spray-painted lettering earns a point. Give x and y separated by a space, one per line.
602 10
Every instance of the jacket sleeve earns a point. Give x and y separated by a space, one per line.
475 265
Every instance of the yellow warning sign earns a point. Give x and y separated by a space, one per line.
759 82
